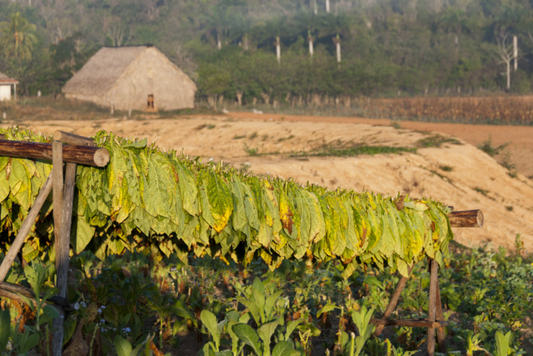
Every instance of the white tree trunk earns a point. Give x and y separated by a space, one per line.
219 43
327 6
245 42
311 50
338 51
278 50
508 75
515 52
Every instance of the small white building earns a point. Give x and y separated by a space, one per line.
5 87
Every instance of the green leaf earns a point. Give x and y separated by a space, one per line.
326 309
137 144
5 328
49 313
265 332
502 343
248 335
220 200
122 346
283 348
210 321
291 326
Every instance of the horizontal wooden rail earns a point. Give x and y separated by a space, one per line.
86 155
13 288
467 218
421 323
72 139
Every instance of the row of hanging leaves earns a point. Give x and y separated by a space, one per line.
170 204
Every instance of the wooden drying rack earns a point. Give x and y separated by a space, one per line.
77 150
435 320
72 150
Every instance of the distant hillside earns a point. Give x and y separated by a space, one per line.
229 46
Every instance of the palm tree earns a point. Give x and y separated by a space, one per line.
17 37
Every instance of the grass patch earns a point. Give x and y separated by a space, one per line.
441 176
482 191
489 149
285 138
436 141
254 135
211 126
509 208
446 168
356 150
251 151
501 151
396 124
238 137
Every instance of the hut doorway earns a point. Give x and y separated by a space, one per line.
150 103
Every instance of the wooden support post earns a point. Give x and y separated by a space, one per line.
62 258
26 227
441 335
432 305
57 162
393 301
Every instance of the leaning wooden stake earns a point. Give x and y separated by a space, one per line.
432 305
26 227
441 335
393 301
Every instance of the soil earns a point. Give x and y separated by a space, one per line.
520 138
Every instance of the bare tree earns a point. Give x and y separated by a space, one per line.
117 34
505 53
185 61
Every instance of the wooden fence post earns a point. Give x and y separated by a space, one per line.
57 163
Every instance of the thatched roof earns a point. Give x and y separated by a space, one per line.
4 79
102 71
124 76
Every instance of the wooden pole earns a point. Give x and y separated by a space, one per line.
16 297
468 218
62 258
72 139
432 305
57 162
393 301
441 335
26 227
8 287
413 323
90 156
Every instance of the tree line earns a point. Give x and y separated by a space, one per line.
284 50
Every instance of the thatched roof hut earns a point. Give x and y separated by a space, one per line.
5 87
138 78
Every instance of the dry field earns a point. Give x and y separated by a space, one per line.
502 110
454 172
520 138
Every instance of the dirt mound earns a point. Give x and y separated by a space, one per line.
444 168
